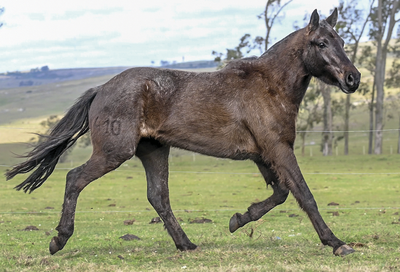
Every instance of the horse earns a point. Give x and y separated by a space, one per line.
245 111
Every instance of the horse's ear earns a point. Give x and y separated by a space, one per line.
332 19
314 22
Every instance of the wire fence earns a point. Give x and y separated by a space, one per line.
230 173
309 147
206 210
359 143
298 131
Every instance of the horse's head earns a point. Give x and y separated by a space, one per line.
324 54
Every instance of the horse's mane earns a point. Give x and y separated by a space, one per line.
244 64
240 64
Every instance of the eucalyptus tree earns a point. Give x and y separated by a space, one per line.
351 25
383 18
271 14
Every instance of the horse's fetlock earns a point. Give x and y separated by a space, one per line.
65 232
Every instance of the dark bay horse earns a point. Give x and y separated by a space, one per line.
246 110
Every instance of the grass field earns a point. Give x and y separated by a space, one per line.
366 188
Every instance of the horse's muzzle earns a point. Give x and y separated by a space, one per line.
352 81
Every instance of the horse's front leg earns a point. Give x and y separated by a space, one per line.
257 210
285 165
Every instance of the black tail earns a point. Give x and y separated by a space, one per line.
46 154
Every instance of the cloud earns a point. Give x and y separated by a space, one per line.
114 33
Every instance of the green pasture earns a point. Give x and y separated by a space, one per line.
22 109
366 188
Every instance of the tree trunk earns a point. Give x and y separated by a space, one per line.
267 23
380 93
267 38
269 20
346 125
379 81
303 142
327 119
348 97
354 35
380 70
371 120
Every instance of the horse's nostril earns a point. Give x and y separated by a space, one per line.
350 80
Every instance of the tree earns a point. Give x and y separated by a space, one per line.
394 73
394 108
48 124
309 113
368 60
394 81
235 53
327 135
351 26
271 13
164 62
383 21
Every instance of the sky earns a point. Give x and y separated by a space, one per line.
79 33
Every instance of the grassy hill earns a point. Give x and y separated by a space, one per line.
33 102
29 105
42 76
23 108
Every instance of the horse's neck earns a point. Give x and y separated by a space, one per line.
284 69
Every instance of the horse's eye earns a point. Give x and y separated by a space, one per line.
321 45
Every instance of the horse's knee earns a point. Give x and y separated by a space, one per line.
280 193
281 196
158 199
154 199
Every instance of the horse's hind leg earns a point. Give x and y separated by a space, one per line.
257 210
154 157
77 179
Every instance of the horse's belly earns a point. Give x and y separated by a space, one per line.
223 142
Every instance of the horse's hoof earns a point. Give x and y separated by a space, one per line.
192 247
344 250
233 223
53 247
188 247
